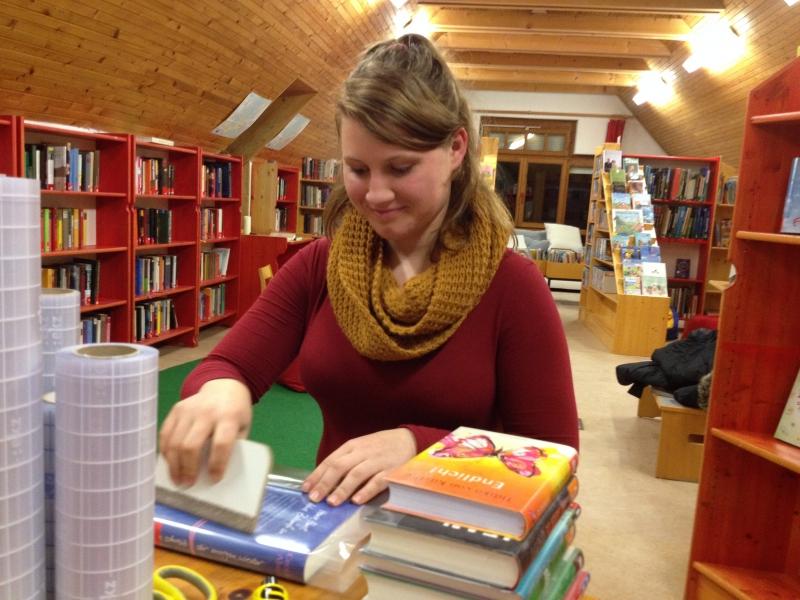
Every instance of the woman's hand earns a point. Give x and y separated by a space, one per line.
221 411
357 467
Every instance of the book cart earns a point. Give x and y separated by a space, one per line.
627 324
746 540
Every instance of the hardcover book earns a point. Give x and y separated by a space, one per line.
620 200
683 268
492 481
479 555
654 278
791 205
626 221
789 426
295 538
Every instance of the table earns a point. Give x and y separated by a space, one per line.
229 579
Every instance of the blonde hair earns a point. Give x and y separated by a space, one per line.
403 93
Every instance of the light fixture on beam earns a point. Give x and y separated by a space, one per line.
715 45
791 2
398 3
407 22
653 88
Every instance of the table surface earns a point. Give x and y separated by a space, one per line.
228 580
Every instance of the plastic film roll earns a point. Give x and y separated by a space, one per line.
22 573
105 464
61 327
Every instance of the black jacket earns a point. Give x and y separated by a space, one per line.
676 367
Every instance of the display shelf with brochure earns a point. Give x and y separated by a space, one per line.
623 292
745 542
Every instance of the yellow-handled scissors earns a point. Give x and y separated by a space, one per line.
164 590
270 590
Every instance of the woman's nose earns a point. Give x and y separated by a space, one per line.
379 191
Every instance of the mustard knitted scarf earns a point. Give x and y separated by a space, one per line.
386 321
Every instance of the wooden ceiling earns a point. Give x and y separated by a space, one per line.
176 69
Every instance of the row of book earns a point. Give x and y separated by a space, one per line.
67 228
82 274
214 263
313 196
216 179
282 214
683 299
315 168
151 319
721 235
211 223
312 224
478 515
153 226
63 167
96 329
689 222
677 183
154 176
561 255
211 302
155 273
282 189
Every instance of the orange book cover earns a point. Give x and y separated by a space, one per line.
488 480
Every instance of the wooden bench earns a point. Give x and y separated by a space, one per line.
680 444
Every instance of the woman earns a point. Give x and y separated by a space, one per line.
412 319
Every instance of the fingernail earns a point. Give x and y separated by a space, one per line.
333 500
314 496
356 499
305 486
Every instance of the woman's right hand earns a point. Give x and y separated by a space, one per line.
221 412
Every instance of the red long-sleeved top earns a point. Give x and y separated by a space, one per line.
506 368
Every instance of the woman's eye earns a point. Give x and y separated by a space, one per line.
357 171
401 170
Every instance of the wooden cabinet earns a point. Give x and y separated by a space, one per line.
746 540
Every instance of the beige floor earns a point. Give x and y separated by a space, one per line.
635 530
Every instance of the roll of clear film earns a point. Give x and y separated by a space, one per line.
106 439
61 327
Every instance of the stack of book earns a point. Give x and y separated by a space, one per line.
478 515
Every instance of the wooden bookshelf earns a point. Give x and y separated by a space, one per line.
719 265
626 324
316 184
227 202
687 295
165 178
100 201
746 539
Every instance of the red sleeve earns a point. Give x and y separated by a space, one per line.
267 337
534 379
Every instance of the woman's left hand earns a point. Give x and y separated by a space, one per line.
357 467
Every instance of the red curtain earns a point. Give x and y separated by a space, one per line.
615 129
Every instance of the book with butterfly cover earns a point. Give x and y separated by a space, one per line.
491 481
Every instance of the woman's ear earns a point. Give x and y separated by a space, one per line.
459 143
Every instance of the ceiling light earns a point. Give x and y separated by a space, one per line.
715 45
791 2
398 3
654 89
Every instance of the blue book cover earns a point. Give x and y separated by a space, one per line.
295 538
791 205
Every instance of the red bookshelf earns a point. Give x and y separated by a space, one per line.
221 196
100 197
686 294
165 178
746 539
288 194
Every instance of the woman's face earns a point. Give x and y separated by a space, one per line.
402 193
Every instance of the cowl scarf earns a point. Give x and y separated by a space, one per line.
386 321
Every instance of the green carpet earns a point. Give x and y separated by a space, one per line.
288 421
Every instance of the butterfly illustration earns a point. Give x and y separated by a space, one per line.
521 461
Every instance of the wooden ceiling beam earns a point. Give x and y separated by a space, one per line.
555 44
663 7
542 88
541 76
550 62
503 21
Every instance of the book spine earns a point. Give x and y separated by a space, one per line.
239 551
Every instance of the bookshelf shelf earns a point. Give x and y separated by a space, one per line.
217 318
770 238
225 238
719 248
749 584
73 194
688 241
318 181
776 118
102 304
167 335
166 246
219 199
718 285
765 446
683 280
682 202
603 261
749 490
84 250
180 289
216 281
165 197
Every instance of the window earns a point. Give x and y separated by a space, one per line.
538 177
